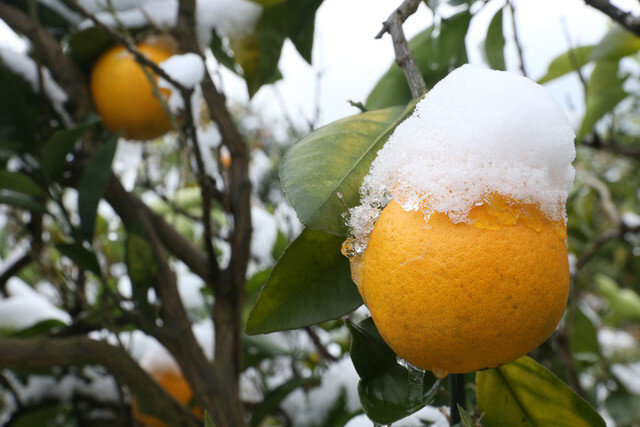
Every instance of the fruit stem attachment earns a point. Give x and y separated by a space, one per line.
457 397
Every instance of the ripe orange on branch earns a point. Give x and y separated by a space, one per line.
124 96
459 297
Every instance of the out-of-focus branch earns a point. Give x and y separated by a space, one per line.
516 38
594 141
14 268
626 19
38 353
404 56
604 238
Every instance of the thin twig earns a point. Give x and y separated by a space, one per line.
594 141
516 38
626 19
404 55
322 350
604 238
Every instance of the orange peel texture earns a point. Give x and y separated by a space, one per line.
124 96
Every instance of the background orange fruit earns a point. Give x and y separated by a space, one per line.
173 382
123 94
455 298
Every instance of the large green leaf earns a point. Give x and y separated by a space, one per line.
494 43
87 45
258 54
322 174
388 390
524 393
604 92
438 50
310 283
22 201
93 182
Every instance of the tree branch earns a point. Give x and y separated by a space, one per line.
516 38
626 19
38 353
594 141
404 56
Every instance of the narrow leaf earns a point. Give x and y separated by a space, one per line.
571 60
525 393
616 44
310 283
22 201
584 337
83 257
370 354
604 92
93 183
322 174
56 149
273 399
494 43
20 183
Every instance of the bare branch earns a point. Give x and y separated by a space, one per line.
404 56
38 353
626 19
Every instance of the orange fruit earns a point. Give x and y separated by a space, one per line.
460 297
123 95
173 382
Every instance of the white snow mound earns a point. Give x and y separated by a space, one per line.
478 132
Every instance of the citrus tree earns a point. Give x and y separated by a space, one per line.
142 215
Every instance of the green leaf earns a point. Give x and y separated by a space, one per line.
624 407
604 92
571 60
93 183
494 43
525 393
273 398
623 303
465 417
322 174
438 50
268 3
370 354
22 201
220 53
208 422
56 149
20 183
258 54
41 328
584 337
260 347
388 391
616 44
17 112
141 264
82 256
310 283
87 45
